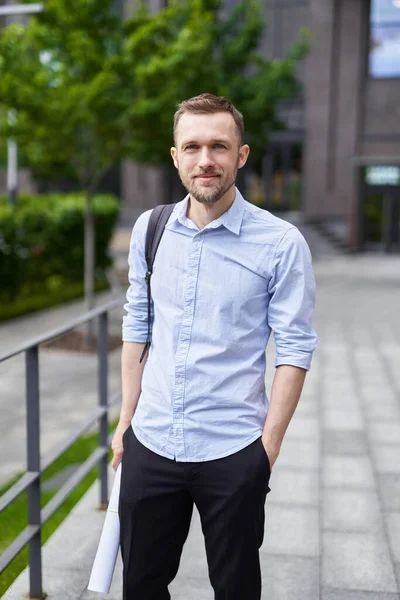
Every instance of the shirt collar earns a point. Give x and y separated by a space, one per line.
231 219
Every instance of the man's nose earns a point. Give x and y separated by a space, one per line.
206 159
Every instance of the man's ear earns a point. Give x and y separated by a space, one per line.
244 152
174 154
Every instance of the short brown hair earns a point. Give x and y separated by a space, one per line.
208 103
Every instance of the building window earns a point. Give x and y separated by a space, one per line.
384 53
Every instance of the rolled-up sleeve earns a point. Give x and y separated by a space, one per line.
134 325
292 301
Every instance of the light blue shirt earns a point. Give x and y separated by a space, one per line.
217 294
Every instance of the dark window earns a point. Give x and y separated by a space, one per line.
384 53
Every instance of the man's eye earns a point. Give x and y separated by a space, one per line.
191 147
219 146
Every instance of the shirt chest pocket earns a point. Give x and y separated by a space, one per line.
233 293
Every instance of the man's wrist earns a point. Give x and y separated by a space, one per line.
124 421
273 440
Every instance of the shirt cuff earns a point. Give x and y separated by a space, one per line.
135 329
134 339
304 361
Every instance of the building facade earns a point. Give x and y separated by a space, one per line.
352 110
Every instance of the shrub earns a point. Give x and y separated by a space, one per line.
42 242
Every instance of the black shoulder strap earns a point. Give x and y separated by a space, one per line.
155 229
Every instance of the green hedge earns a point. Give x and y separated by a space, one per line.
42 242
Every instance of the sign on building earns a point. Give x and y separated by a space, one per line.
383 175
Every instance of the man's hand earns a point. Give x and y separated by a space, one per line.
116 444
272 450
286 389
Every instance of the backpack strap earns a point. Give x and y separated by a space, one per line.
155 229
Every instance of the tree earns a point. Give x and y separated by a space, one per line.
64 76
191 47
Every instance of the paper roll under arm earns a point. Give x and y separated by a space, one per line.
107 551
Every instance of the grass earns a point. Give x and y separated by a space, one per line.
14 518
34 302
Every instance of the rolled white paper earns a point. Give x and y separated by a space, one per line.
107 551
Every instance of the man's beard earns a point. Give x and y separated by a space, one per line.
208 195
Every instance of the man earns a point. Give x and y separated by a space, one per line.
203 431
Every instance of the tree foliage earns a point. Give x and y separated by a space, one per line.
193 46
90 89
62 73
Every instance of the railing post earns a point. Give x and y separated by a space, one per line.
102 351
33 464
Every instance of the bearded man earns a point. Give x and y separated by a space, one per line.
196 426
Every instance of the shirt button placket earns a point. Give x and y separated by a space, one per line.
183 346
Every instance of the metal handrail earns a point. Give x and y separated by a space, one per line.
16 490
41 339
30 480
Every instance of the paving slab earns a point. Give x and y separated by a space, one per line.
303 454
387 458
393 528
293 487
341 400
377 393
352 510
306 408
348 471
383 412
343 419
290 577
344 442
389 487
191 587
303 428
357 561
397 571
291 531
331 594
384 433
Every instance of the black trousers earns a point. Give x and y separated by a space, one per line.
155 509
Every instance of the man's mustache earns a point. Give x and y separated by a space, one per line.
208 172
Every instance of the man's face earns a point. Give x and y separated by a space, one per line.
208 154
